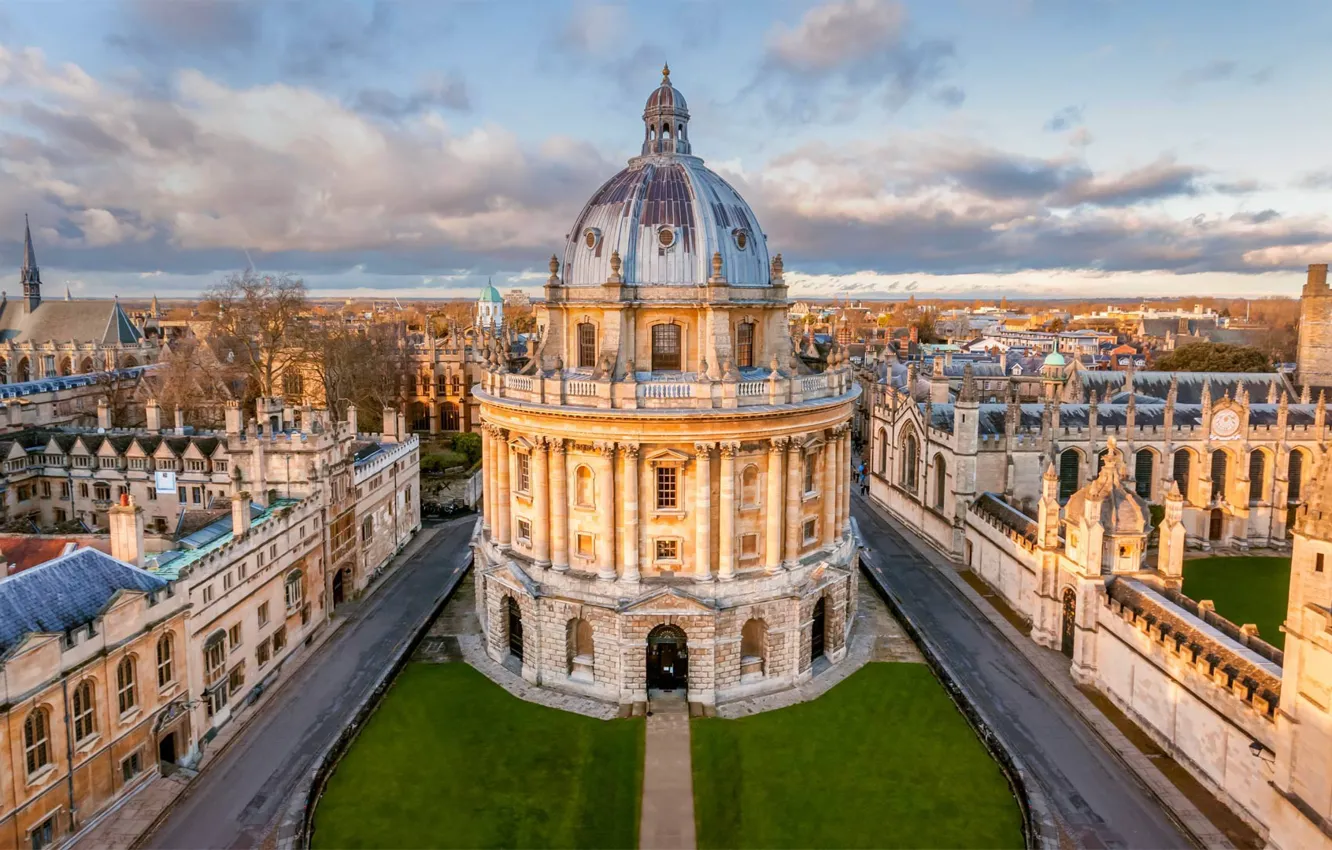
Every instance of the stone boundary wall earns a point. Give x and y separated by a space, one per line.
927 522
1003 557
1199 694
297 824
1038 826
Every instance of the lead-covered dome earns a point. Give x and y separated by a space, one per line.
666 214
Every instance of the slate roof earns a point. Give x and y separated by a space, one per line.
1190 386
66 593
60 321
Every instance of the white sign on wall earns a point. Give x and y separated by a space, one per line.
166 480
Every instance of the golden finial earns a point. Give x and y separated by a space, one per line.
666 73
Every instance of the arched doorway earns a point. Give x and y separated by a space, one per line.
817 630
1070 621
515 629
166 749
1216 528
339 589
667 659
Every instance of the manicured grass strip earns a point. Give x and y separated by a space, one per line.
884 759
1245 590
452 760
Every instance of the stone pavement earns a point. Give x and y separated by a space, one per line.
667 821
1054 669
457 633
124 825
875 636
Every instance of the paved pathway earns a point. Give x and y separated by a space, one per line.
1097 801
236 801
668 780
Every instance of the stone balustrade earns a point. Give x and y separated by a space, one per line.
682 391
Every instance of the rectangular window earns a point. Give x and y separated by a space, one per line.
587 345
744 345
668 550
583 545
46 489
262 654
525 531
234 636
180 494
196 496
811 466
263 614
524 472
811 529
207 594
132 766
666 348
279 640
152 493
43 834
666 488
194 465
242 571
83 490
219 466
1318 563
236 678
226 582
102 491
64 489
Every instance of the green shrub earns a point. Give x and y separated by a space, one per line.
469 445
437 462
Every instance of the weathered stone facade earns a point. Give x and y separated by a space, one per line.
661 463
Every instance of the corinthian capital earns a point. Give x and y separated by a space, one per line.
729 449
777 445
556 444
703 451
605 449
629 450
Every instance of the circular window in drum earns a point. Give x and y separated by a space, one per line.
666 237
591 237
741 238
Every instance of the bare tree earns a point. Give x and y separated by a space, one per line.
261 317
198 378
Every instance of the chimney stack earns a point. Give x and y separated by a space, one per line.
234 424
126 521
153 413
1317 277
390 434
103 414
240 514
180 421
351 418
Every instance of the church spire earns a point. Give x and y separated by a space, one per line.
29 275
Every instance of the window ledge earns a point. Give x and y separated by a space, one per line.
667 512
81 747
168 690
129 716
44 773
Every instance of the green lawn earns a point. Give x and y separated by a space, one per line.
884 759
452 760
1245 590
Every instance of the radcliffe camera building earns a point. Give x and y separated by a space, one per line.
667 485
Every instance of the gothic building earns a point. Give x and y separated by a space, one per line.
44 338
667 484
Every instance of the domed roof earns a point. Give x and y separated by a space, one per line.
1122 511
665 215
490 295
1054 358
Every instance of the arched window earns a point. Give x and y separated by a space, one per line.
940 481
1219 469
66 367
1100 460
127 696
1181 470
166 670
749 486
1295 476
753 649
1143 463
1069 461
4 371
129 361
666 348
24 370
37 740
744 345
910 450
292 385
86 366
587 345
583 496
883 452
85 722
1257 476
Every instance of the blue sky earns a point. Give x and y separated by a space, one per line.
985 147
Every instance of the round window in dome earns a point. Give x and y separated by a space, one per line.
741 238
591 237
666 237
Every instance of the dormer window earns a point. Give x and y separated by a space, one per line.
591 238
665 237
741 238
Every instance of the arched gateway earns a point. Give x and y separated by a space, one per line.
667 659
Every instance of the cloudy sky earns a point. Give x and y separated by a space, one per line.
986 147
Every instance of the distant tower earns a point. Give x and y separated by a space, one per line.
1314 360
490 308
31 277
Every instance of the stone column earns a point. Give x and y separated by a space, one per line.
772 511
559 506
828 499
502 495
488 482
794 470
629 486
606 511
703 512
541 502
844 517
726 522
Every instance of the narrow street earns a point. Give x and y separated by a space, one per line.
236 800
1098 802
